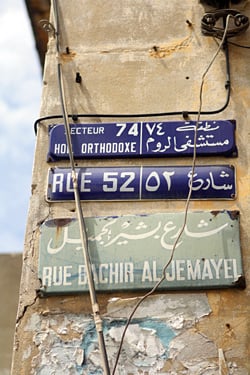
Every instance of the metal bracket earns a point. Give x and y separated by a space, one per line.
213 23
48 27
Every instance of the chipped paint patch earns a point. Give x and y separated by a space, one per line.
179 310
26 353
194 353
68 344
56 356
145 345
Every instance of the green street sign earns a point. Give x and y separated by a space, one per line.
129 252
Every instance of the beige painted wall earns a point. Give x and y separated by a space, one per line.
111 45
10 272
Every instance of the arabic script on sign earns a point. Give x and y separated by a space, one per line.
165 233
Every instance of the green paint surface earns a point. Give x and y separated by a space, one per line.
129 252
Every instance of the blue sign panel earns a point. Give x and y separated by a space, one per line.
143 183
143 139
129 252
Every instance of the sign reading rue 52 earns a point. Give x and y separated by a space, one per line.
143 182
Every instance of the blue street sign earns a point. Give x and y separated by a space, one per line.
143 183
147 139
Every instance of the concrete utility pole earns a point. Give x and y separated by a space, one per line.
136 246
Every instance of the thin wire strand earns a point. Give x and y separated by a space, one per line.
186 206
82 226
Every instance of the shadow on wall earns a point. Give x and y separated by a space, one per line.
10 273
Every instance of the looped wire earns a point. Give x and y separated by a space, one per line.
48 27
211 24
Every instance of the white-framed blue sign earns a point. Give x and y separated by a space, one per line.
143 183
129 252
143 139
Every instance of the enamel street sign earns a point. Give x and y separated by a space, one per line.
143 183
130 252
143 139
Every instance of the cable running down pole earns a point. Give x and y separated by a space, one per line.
187 203
82 227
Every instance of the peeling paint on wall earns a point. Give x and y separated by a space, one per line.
194 352
156 336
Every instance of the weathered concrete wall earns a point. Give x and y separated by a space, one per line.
111 44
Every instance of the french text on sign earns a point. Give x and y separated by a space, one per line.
129 252
142 183
144 139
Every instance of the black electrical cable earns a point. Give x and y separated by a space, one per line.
185 114
238 45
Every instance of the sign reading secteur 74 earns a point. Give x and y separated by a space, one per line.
137 139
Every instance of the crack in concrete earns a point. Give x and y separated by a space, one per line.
24 310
